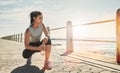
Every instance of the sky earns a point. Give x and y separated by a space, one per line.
14 16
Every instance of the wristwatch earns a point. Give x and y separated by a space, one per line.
48 35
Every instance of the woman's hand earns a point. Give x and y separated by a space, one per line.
45 40
41 47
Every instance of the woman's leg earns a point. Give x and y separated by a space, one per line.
47 52
28 53
47 55
47 49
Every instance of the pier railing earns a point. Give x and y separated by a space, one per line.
69 35
15 37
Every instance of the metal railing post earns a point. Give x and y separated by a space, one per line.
69 39
118 36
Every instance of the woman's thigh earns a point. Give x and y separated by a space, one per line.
28 53
49 42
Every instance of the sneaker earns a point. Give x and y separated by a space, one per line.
47 66
28 61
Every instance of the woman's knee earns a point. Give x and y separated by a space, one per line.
25 54
49 42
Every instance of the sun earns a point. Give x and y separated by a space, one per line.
80 32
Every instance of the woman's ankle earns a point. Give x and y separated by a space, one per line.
47 65
46 61
29 58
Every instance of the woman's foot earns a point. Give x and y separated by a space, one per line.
47 66
28 61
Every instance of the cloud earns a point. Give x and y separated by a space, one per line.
38 1
4 3
15 13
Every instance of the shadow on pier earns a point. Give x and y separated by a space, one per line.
27 69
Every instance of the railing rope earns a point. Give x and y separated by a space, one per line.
91 23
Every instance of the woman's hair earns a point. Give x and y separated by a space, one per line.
118 10
34 14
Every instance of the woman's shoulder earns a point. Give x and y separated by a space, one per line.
27 30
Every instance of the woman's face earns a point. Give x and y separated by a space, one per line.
38 19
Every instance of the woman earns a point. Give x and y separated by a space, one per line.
32 39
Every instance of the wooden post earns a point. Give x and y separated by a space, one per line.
118 36
21 38
8 37
18 37
48 28
69 39
14 37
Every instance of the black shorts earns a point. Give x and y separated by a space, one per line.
28 53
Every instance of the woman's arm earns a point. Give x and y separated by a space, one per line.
26 42
45 31
46 34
